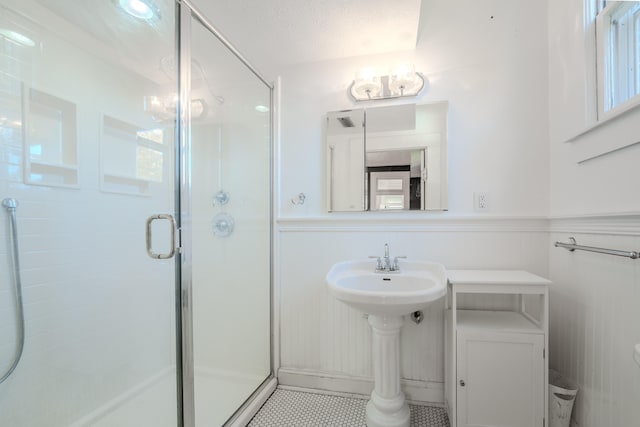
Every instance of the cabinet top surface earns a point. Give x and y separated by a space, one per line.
495 277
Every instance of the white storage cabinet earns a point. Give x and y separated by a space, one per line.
496 367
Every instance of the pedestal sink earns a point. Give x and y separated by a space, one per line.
386 297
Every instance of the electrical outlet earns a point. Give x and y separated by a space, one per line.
481 201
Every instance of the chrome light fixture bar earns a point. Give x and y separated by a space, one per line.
402 81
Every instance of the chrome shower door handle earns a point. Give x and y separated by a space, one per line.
172 222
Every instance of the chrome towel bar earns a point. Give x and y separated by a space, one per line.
572 246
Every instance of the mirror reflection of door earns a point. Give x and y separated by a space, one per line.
396 179
345 160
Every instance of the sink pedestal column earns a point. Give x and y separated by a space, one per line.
387 407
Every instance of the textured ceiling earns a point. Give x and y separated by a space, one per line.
269 33
272 33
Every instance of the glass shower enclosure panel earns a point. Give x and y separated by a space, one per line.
231 232
88 95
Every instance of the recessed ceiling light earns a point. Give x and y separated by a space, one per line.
17 37
142 9
262 109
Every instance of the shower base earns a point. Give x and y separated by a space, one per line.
153 404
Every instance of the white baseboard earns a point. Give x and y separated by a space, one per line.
416 391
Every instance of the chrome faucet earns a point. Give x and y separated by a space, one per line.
384 264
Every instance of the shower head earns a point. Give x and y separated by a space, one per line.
169 67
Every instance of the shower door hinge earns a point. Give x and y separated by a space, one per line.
179 248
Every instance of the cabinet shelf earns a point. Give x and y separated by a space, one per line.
118 183
498 321
54 166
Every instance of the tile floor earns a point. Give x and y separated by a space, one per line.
288 408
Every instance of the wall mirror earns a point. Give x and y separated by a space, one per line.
387 158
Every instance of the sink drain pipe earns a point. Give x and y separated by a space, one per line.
417 317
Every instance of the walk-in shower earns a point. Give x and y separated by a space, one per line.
113 113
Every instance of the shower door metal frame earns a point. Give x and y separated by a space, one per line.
186 12
184 313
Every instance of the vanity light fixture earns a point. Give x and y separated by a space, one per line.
402 81
141 9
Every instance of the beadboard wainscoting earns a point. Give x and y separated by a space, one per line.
326 345
595 318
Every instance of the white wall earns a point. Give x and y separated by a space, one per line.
594 316
493 73
600 186
489 60
322 337
595 321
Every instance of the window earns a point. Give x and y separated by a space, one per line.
618 57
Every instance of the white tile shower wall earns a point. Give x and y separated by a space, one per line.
595 321
320 336
231 274
98 310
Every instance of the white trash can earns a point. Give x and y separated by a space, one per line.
562 395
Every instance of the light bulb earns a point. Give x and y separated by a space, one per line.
141 9
367 83
17 37
402 79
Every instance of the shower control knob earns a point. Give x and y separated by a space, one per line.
462 383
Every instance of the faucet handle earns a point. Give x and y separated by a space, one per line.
378 261
396 266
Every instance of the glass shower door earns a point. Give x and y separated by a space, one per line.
230 207
88 92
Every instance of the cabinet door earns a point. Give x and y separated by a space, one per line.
500 379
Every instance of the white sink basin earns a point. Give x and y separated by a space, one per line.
387 294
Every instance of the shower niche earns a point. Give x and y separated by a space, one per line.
132 158
51 146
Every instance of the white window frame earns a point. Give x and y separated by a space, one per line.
609 89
